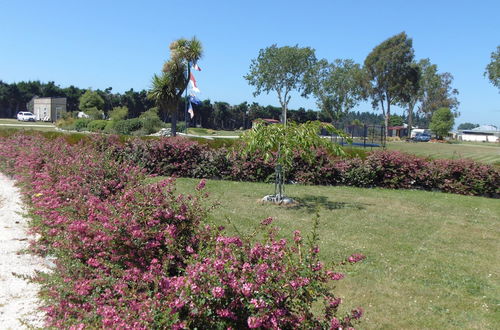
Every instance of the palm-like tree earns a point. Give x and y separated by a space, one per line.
167 88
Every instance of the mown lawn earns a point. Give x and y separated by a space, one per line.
211 132
486 152
433 259
28 125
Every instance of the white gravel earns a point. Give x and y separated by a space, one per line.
18 297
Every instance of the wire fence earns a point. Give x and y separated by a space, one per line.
364 136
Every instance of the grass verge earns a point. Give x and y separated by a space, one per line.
432 258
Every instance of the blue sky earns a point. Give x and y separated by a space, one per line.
121 44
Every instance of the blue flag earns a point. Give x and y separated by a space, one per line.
193 99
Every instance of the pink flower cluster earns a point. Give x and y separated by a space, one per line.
136 256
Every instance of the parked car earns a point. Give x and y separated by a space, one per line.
25 116
422 137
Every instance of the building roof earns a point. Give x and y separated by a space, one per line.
486 128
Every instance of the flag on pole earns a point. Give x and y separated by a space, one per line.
190 111
192 81
193 99
196 67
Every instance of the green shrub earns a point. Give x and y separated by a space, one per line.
97 125
82 123
67 123
150 121
94 113
127 126
118 113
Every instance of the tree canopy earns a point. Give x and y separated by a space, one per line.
388 69
167 88
337 87
282 70
493 69
436 90
91 99
442 122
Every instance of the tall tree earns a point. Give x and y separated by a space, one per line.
337 87
493 69
91 99
436 90
282 70
388 68
412 93
175 77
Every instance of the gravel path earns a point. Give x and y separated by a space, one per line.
18 297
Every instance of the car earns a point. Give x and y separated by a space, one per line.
26 116
422 137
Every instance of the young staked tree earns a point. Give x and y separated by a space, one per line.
493 69
337 87
167 88
388 69
282 70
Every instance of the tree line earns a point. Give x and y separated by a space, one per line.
208 114
390 76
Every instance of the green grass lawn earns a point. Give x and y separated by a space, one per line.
486 152
433 259
211 132
29 125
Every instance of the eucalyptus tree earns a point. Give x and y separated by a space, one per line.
337 87
436 90
493 69
167 88
282 70
388 68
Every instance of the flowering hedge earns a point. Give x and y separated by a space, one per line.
388 169
135 256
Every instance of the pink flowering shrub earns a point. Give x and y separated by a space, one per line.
135 256
272 284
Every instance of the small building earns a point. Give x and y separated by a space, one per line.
484 133
47 108
265 121
399 131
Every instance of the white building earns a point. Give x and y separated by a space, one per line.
47 108
484 133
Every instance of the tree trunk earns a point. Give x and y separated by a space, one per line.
174 122
410 118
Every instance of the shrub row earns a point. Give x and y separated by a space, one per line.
134 256
388 169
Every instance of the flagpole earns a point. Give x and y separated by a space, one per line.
186 99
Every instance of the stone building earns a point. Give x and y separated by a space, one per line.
47 108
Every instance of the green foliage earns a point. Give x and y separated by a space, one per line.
282 70
66 123
167 88
118 113
396 120
337 87
442 122
97 125
436 90
283 141
127 126
94 113
82 123
467 126
150 121
388 69
493 69
91 99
